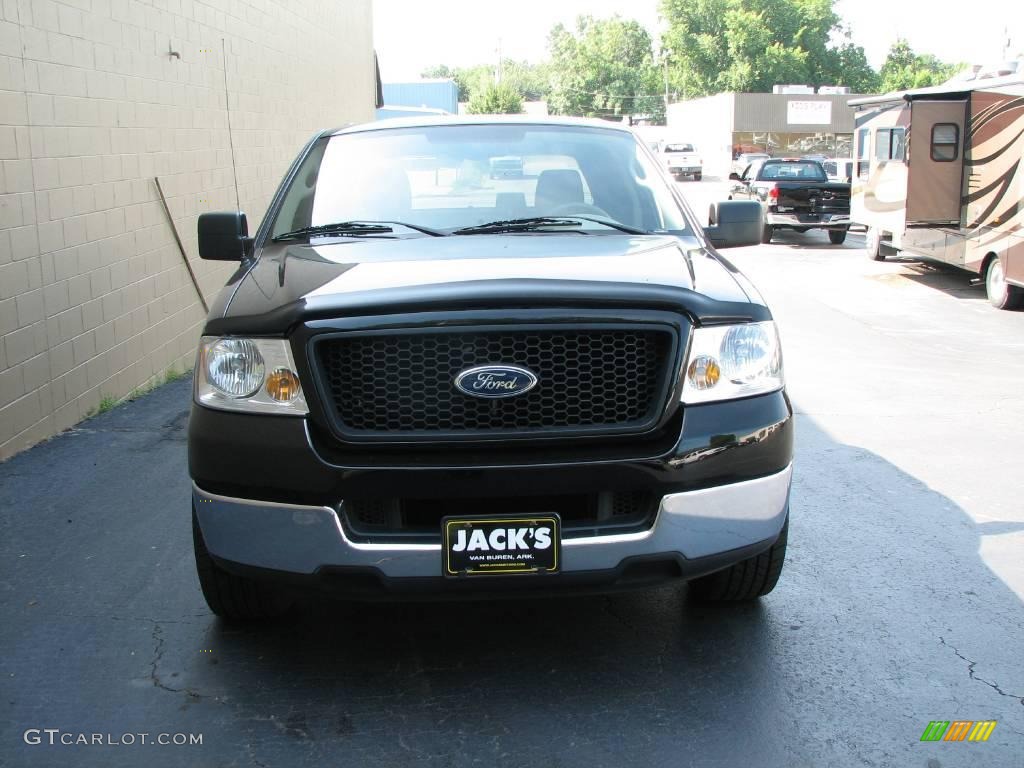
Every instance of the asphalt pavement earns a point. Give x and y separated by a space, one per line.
901 601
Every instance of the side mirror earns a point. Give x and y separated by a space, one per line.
735 223
224 236
734 176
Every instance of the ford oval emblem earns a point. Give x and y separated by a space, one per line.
493 381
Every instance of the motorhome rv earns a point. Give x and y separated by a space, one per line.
940 175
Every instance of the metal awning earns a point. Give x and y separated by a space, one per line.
958 88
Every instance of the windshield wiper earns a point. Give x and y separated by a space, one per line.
613 224
531 224
540 223
355 229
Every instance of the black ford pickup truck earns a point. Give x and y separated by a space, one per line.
795 194
422 381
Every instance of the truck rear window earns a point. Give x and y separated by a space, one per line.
797 171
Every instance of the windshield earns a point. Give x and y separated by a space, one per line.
456 176
804 171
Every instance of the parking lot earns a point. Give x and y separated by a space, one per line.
901 602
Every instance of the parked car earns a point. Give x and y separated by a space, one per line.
795 194
743 160
403 391
682 160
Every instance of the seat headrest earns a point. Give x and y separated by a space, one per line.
557 187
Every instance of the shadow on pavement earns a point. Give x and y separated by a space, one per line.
954 282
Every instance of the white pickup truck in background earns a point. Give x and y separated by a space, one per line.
682 159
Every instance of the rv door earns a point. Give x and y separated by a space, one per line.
936 161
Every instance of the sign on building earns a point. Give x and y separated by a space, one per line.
809 112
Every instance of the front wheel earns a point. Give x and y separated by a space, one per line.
230 596
766 233
748 579
698 176
836 236
874 244
1001 294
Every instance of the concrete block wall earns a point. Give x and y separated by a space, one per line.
95 300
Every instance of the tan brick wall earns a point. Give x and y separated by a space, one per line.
94 298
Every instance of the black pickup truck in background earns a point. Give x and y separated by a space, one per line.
795 194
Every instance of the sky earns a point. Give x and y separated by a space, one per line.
411 35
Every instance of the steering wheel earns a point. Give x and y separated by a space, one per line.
582 209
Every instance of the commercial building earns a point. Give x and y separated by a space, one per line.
781 124
429 96
96 101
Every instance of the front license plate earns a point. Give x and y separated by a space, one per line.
479 546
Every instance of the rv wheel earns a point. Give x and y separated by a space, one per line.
766 233
1001 294
874 244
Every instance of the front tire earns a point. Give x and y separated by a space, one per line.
874 244
1001 294
748 579
837 236
766 233
233 597
698 176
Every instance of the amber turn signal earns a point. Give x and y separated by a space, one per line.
703 372
283 385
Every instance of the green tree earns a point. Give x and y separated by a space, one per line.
531 80
468 79
496 99
904 69
604 68
850 67
752 45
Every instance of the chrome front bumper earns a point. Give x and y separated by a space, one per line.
301 539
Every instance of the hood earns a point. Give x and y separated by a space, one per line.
291 282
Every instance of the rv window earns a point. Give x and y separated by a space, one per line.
899 144
890 144
945 142
882 140
863 152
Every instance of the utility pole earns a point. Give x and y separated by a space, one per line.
497 70
666 83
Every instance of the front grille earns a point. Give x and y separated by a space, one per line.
591 514
401 385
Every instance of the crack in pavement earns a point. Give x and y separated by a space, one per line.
970 671
158 653
609 608
252 756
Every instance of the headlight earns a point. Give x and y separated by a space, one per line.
731 361
248 375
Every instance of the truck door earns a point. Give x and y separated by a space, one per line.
936 160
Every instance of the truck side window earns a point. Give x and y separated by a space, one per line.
945 142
